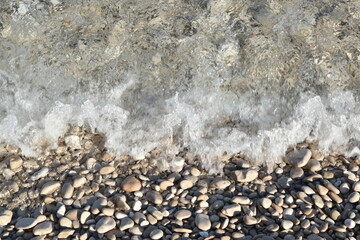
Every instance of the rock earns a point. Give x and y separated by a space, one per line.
313 165
349 223
154 197
220 183
318 201
231 210
202 221
285 182
195 172
15 163
98 205
105 224
354 197
43 228
137 206
245 175
126 223
79 182
287 224
50 187
298 158
65 233
5 217
40 174
265 203
356 186
67 190
156 234
296 172
243 200
131 184
186 184
73 142
84 217
25 223
249 220
321 189
165 185
65 222
182 214
106 170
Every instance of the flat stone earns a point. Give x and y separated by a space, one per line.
243 200
105 224
79 182
137 206
66 233
318 201
126 223
5 217
50 187
313 165
231 210
182 214
182 230
321 189
40 174
106 170
186 184
156 234
244 175
296 172
43 228
165 185
298 158
65 222
154 197
67 190
220 183
98 205
25 223
136 230
131 184
202 221
249 220
287 224
15 163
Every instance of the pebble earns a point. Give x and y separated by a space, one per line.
15 163
182 214
265 203
349 223
67 190
231 210
249 220
356 186
156 234
186 184
354 197
50 187
202 221
298 158
245 175
25 223
154 197
65 222
106 170
296 172
73 142
126 223
220 183
313 165
79 182
40 174
321 189
43 228
131 184
243 200
287 224
84 217
5 217
105 224
137 206
66 233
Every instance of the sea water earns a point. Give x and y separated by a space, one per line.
214 77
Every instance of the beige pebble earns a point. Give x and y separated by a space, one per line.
131 184
296 172
321 189
106 170
50 187
265 203
186 184
287 224
244 175
249 220
354 197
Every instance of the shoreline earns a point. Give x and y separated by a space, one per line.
79 190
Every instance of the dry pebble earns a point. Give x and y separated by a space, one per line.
131 184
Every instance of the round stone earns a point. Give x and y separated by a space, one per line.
349 223
79 182
265 203
321 189
298 158
43 228
126 223
182 214
15 162
186 184
65 222
231 210
137 206
131 184
354 197
84 217
50 187
356 187
287 224
156 234
296 172
25 223
106 170
154 197
105 224
220 183
202 221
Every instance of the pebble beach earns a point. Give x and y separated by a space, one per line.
81 191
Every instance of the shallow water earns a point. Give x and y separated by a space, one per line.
211 76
